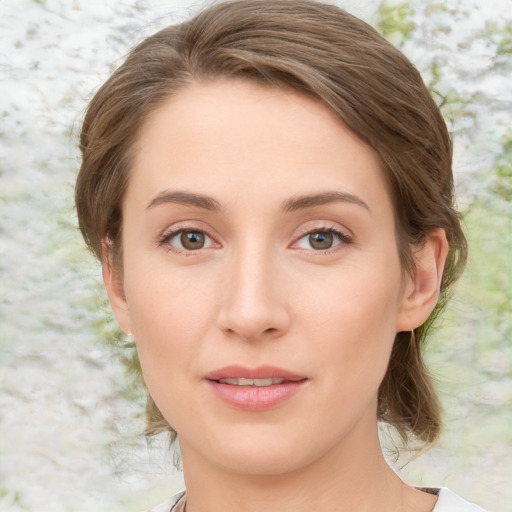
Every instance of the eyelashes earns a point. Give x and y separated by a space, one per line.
318 239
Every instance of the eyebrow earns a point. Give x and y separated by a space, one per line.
291 205
322 198
185 198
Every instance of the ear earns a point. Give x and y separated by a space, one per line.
421 290
113 281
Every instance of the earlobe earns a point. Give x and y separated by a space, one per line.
114 285
422 289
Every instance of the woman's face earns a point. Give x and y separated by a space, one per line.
261 278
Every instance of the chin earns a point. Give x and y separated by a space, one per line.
263 462
262 450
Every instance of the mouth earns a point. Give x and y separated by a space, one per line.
261 383
256 389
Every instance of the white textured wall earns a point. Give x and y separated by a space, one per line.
68 433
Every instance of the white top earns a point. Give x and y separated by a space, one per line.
447 501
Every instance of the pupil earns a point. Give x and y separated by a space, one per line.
321 240
192 240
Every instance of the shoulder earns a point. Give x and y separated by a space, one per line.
448 501
173 504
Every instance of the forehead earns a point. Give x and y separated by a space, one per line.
235 137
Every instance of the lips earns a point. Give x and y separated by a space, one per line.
257 389
262 372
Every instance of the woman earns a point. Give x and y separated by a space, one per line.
269 189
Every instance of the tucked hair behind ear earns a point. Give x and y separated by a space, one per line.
318 50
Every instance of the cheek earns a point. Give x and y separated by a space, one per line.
355 297
168 328
171 315
352 320
164 299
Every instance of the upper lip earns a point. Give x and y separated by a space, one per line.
261 372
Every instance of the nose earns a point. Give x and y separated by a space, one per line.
254 305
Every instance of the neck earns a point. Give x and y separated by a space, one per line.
353 477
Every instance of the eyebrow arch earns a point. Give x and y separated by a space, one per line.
309 201
185 198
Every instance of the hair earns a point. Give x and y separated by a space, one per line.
322 51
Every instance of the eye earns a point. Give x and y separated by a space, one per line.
187 240
322 239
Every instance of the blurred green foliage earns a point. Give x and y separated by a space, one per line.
394 21
505 45
502 183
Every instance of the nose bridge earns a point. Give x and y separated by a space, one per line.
253 306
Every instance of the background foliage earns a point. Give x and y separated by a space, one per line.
70 406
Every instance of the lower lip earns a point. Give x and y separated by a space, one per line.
255 398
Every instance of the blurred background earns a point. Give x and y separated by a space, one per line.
71 409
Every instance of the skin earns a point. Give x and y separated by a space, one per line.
259 293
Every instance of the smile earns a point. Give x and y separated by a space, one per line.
257 389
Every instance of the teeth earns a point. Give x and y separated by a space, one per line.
251 382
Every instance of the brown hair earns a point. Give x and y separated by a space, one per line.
320 50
